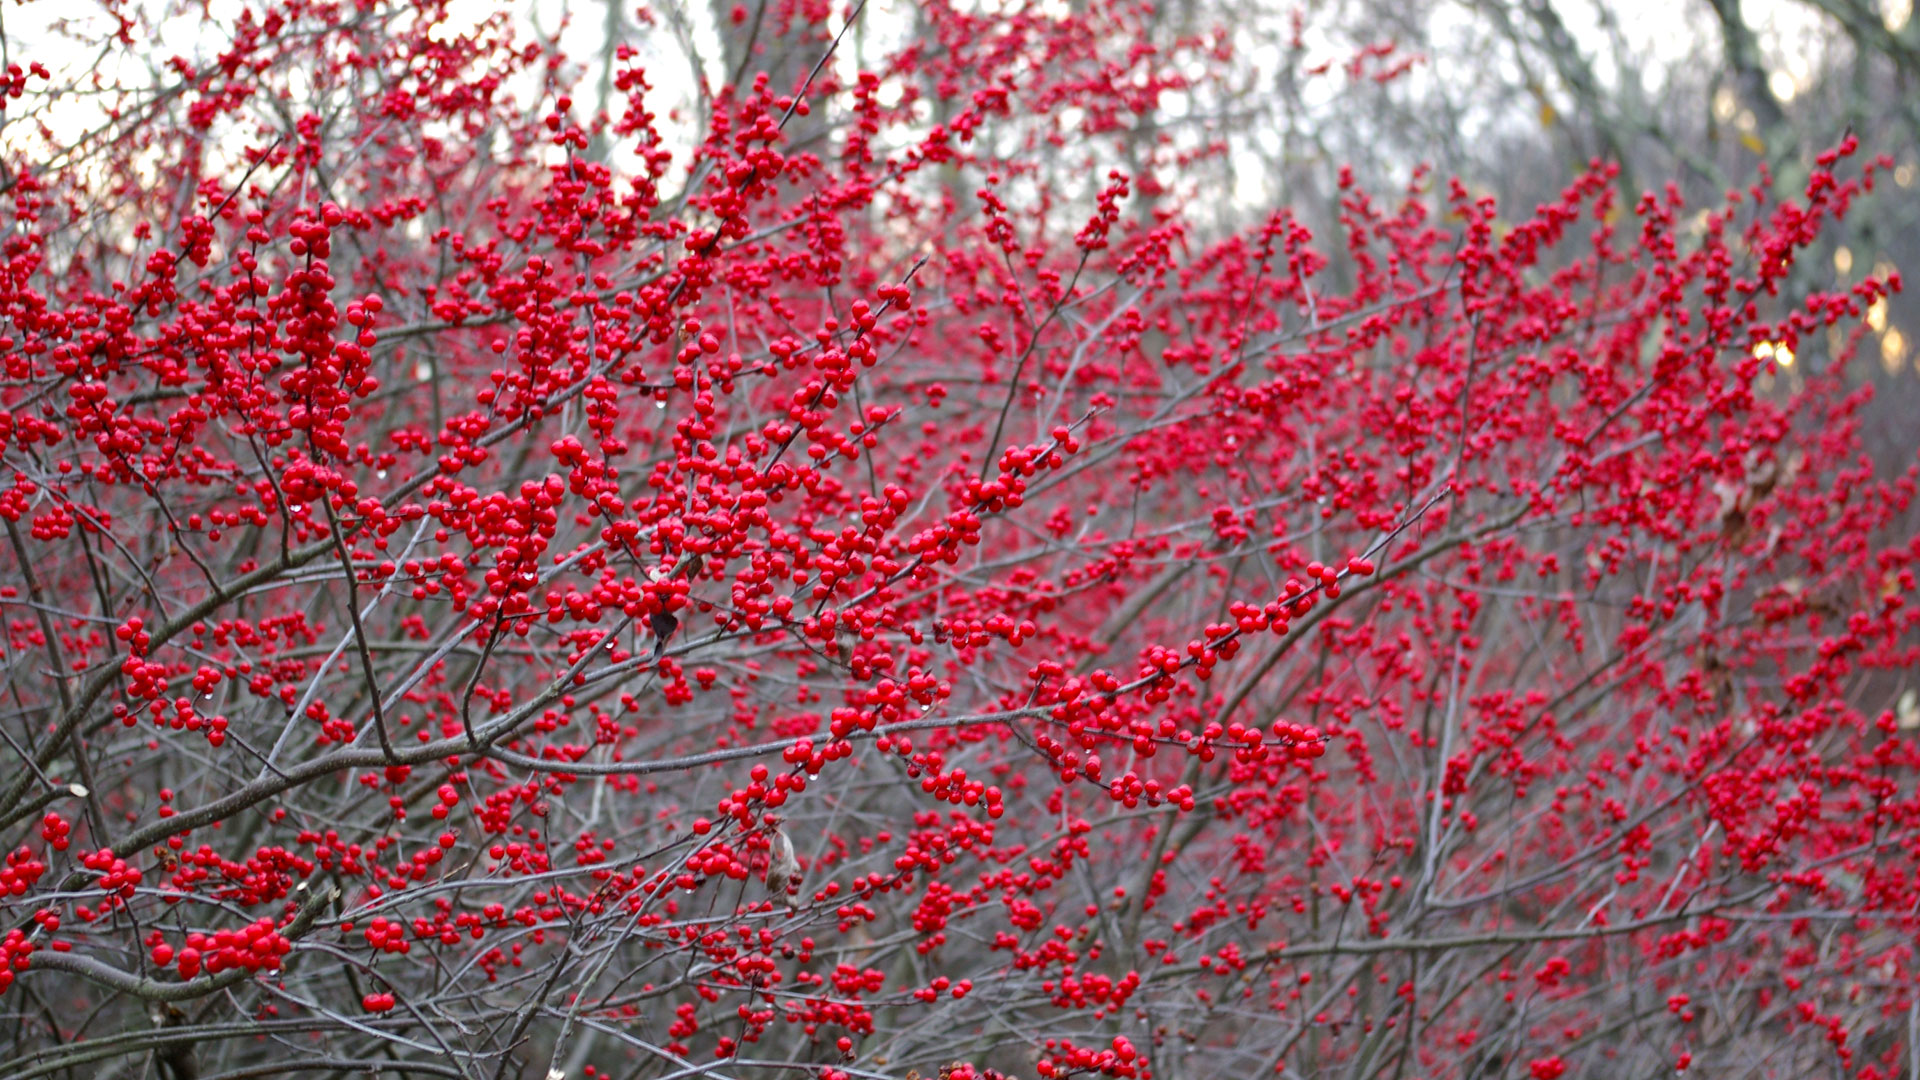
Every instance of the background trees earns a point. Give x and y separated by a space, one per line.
881 568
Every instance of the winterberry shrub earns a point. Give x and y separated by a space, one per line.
491 592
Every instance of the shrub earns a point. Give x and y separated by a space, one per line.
490 594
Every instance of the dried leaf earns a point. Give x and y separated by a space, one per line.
783 868
663 625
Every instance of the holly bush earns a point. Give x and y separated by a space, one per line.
845 578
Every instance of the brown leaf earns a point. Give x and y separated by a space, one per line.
783 868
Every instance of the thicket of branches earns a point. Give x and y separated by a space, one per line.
898 588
